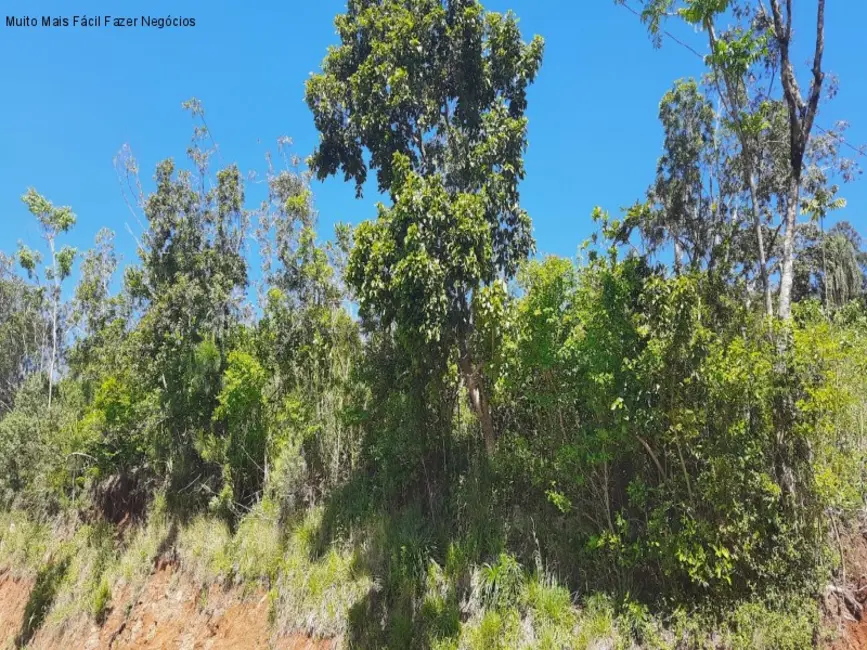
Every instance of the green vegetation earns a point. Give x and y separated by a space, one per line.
635 448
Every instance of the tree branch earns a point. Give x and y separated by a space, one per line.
818 75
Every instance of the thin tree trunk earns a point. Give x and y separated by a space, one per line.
478 400
607 497
760 241
824 261
55 299
729 99
787 267
53 353
801 117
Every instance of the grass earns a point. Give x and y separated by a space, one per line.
325 590
257 548
135 559
41 598
754 626
23 543
316 595
83 587
204 549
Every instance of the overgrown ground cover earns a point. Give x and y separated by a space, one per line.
657 444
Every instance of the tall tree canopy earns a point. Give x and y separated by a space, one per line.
53 222
436 92
752 72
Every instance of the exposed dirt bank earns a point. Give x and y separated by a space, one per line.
845 604
168 612
14 594
171 611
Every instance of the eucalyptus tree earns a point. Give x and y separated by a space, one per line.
802 114
189 289
699 203
733 54
682 208
53 222
24 330
93 299
435 92
95 309
758 45
306 337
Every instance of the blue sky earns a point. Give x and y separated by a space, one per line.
74 96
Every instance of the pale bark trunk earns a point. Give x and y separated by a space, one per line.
801 117
55 300
730 99
53 353
760 241
479 401
787 267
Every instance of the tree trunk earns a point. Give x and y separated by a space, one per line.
53 352
760 241
54 304
730 100
479 401
801 117
787 267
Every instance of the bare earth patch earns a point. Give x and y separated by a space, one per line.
170 611
845 605
14 592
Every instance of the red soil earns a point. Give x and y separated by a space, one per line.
848 621
13 599
169 612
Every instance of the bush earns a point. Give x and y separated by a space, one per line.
672 437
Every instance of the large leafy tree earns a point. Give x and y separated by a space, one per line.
435 91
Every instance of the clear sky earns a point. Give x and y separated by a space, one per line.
73 96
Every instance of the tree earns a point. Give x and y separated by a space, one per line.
93 304
844 266
24 329
830 265
801 117
189 287
435 91
101 318
306 339
53 222
732 55
735 55
683 212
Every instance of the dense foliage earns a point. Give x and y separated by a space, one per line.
496 438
